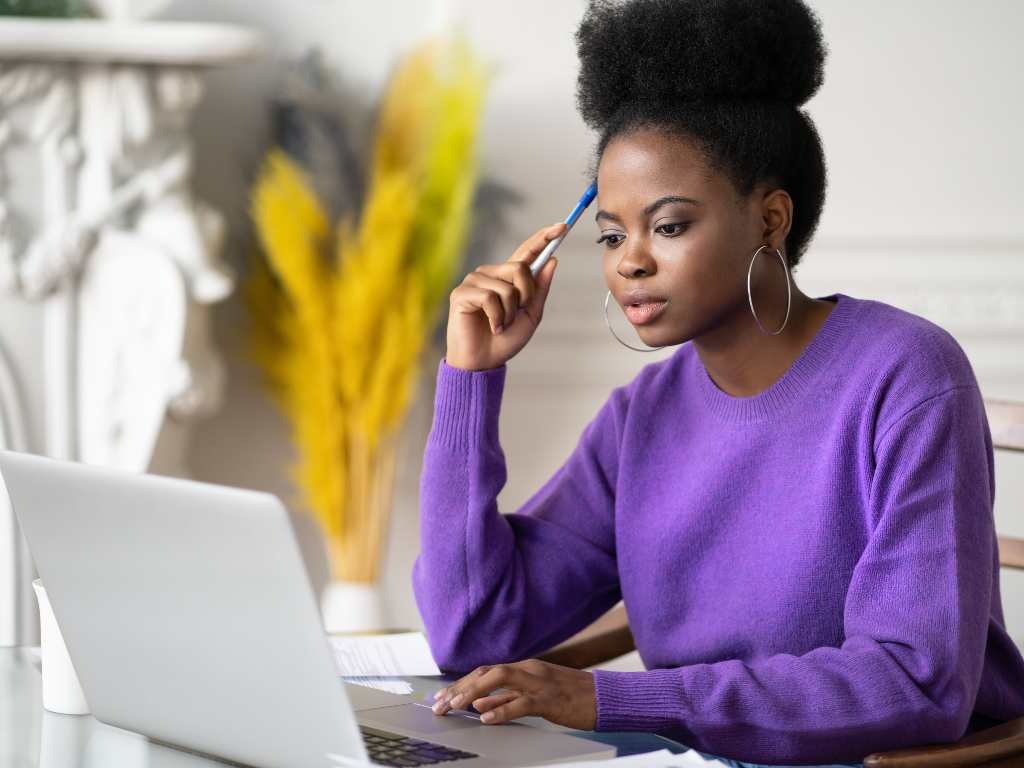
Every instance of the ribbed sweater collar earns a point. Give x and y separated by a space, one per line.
797 379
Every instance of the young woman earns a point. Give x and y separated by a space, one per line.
795 507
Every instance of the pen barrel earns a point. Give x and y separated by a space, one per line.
538 264
588 197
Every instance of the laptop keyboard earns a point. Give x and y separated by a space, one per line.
387 748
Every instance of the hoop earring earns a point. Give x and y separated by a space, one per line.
789 292
608 323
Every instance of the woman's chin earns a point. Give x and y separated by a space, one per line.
660 335
652 337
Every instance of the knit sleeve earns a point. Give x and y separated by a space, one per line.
915 621
495 587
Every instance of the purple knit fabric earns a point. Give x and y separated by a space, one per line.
810 573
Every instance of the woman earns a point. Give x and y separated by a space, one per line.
795 507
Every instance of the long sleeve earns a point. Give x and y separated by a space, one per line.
495 587
915 621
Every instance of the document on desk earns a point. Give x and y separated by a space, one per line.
660 759
372 660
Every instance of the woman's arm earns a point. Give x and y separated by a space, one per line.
492 587
916 621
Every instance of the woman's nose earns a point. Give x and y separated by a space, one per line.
635 264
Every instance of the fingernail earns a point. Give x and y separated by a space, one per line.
487 717
457 701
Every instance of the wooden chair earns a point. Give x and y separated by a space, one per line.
999 746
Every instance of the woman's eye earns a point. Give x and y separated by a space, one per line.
676 228
611 238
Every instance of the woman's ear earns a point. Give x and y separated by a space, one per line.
776 216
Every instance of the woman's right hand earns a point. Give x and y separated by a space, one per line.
504 295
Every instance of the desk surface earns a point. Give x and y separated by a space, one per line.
32 736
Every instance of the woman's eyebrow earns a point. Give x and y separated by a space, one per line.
668 199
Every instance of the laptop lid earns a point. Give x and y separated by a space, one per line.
187 611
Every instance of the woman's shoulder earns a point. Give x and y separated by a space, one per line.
900 359
902 341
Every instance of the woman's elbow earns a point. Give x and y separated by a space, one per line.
946 720
445 621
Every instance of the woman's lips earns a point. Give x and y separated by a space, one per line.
646 312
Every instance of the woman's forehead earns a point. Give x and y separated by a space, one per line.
640 167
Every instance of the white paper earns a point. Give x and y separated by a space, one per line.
404 653
660 759
389 684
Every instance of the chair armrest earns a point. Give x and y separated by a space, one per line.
607 638
593 650
1011 552
1000 745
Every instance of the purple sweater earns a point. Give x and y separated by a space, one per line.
810 573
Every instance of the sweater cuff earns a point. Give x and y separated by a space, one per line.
640 701
466 406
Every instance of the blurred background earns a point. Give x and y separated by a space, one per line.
917 115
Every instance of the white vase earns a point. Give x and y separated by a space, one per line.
352 606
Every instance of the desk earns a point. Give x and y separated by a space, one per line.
31 736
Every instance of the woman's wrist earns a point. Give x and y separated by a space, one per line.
467 367
467 406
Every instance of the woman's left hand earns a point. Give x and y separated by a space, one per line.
559 694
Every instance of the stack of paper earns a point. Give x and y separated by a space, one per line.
374 660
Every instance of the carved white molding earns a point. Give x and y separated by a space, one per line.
118 252
176 43
127 10
130 350
15 605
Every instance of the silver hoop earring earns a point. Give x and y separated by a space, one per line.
789 292
608 323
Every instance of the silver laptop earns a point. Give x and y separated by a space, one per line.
189 616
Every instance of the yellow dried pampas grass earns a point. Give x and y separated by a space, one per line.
340 314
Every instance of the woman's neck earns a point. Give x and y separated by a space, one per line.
742 360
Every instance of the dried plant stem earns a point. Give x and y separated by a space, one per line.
358 554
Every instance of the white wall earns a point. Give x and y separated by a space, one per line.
919 116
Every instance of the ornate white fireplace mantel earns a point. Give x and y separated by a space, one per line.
100 233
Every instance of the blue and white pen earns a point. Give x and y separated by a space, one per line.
581 206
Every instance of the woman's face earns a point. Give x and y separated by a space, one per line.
694 254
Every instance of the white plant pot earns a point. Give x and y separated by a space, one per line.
352 606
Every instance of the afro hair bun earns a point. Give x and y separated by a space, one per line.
656 50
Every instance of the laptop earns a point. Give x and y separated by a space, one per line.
190 618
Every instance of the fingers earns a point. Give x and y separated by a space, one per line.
448 691
516 272
520 706
478 684
508 294
486 703
530 249
504 290
544 280
486 299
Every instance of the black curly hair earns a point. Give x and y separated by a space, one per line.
727 74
